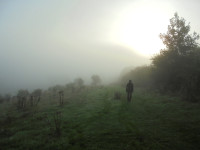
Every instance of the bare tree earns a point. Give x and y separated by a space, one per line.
35 97
22 98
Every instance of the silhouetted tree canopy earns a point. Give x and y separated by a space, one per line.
176 67
177 39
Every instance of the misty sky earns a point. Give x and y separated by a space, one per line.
49 42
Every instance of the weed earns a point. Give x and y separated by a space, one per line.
117 95
54 124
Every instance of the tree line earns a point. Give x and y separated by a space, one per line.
25 98
175 69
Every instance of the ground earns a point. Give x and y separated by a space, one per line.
91 119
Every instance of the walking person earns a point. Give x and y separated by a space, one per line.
129 90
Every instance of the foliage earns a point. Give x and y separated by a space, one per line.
175 69
141 77
177 39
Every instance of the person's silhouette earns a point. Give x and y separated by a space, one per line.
129 90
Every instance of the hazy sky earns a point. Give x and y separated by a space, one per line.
48 42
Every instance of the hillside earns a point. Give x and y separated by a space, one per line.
92 119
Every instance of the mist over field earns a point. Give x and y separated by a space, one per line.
28 70
44 43
100 75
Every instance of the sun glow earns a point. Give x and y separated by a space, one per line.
139 27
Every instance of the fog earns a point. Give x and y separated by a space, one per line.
31 70
44 43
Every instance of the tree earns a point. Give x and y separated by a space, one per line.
176 67
96 80
177 39
22 98
35 97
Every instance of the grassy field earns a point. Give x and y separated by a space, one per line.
94 120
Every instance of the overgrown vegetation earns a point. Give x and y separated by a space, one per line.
93 119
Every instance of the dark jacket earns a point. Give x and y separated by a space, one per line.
129 87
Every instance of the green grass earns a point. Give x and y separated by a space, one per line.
93 120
